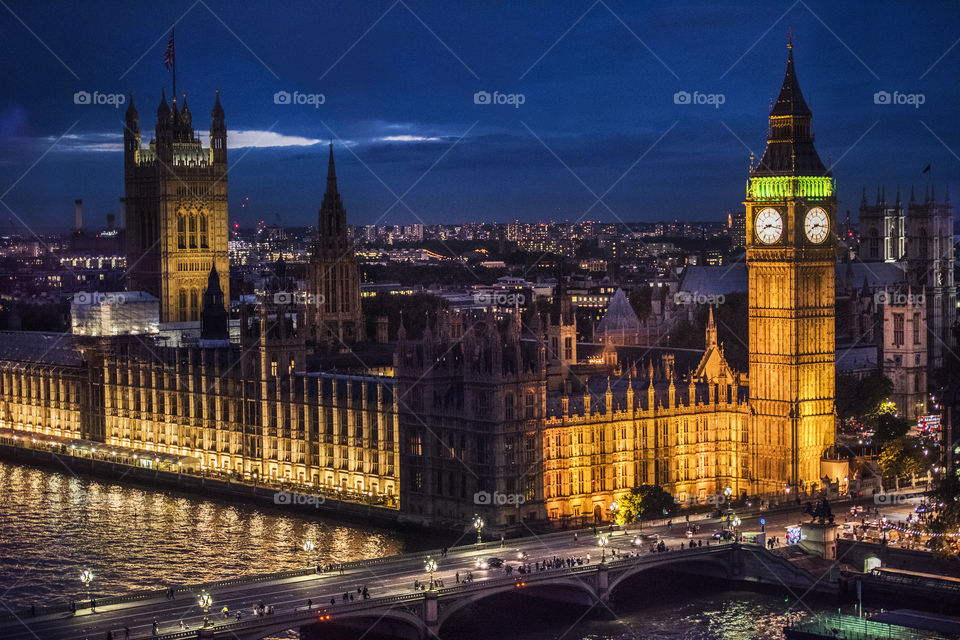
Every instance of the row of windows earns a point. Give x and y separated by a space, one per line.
192 231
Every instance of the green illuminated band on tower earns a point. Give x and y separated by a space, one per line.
778 187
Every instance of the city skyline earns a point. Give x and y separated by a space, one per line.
576 135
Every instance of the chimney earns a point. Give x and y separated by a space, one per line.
110 220
78 221
122 217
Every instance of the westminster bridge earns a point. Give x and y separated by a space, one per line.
310 601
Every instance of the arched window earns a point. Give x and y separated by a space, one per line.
193 231
203 231
181 232
183 304
194 304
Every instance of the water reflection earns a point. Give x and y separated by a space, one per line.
53 525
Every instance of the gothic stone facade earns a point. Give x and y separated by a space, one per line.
176 200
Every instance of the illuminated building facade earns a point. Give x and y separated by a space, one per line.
491 422
176 203
791 259
479 414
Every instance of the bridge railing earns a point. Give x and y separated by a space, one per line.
296 617
149 594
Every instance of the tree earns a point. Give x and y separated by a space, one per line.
901 457
862 397
888 424
642 502
945 520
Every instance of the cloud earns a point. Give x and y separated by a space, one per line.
407 138
244 139
113 142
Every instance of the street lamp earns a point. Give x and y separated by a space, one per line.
478 525
430 566
86 577
205 602
603 539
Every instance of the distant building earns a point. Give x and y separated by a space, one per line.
918 236
737 228
114 313
904 351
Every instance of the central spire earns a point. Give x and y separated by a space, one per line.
332 222
790 102
331 174
790 150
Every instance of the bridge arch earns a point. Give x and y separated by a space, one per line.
667 563
565 588
314 629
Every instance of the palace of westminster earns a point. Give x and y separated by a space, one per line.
479 406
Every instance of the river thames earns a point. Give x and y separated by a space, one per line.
53 525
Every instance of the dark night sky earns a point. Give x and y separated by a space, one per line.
399 80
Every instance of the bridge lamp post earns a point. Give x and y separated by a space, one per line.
431 567
86 577
205 602
308 546
603 539
478 525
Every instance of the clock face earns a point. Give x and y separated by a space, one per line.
769 226
816 225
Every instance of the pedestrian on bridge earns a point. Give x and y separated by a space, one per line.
309 604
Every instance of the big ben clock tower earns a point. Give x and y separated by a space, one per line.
791 221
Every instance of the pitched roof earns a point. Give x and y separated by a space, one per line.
709 281
620 315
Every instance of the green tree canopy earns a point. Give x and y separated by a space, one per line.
644 501
902 457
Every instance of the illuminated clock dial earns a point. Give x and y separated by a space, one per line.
816 224
769 226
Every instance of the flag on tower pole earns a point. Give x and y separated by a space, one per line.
170 62
927 169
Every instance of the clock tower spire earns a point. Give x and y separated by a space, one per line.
791 259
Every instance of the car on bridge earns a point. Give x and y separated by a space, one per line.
489 563
723 535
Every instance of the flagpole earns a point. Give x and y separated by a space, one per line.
174 41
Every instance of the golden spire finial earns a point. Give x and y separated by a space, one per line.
789 37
